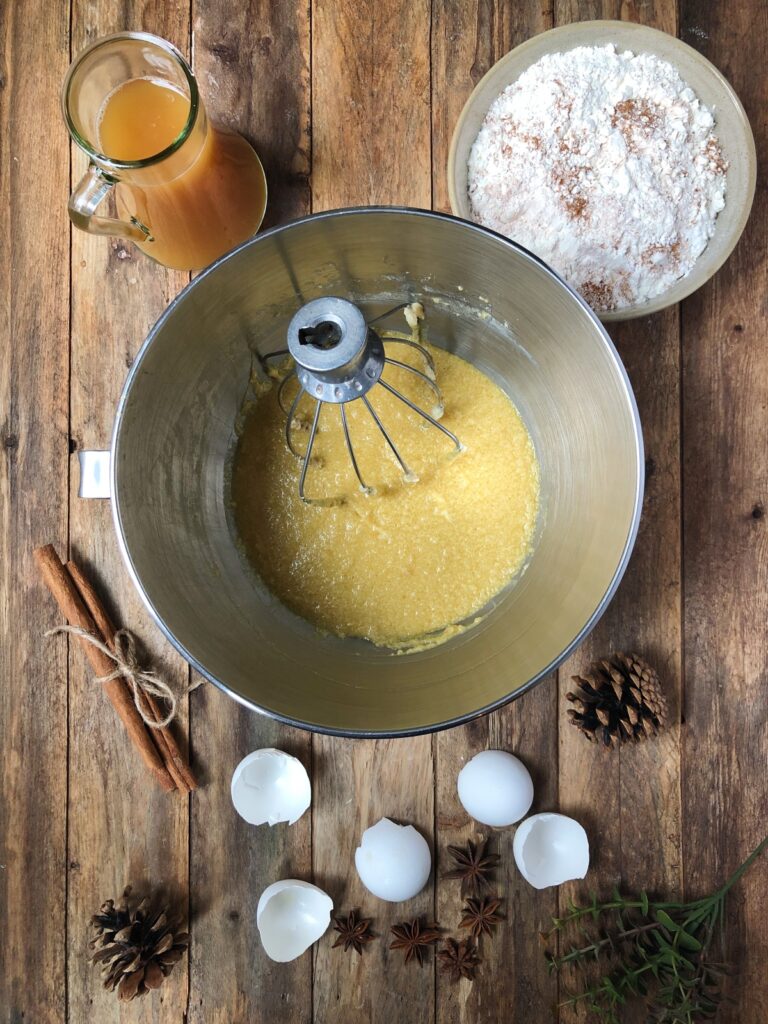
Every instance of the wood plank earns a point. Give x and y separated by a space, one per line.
371 103
513 981
232 981
661 14
252 62
629 801
355 784
34 368
123 829
370 129
725 495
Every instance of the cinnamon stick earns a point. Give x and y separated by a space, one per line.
175 762
71 605
107 630
185 783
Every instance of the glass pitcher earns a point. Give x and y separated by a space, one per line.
186 191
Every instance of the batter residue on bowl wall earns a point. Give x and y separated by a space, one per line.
413 560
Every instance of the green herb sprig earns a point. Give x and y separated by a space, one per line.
659 952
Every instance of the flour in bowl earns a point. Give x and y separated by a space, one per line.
605 165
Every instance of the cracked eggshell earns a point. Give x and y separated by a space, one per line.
393 861
495 788
551 849
291 916
269 786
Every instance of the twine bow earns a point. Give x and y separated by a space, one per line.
141 681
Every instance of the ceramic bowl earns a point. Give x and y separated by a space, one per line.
708 83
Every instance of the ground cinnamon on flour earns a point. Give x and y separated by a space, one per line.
606 165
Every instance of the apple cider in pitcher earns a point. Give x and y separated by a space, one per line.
187 191
215 201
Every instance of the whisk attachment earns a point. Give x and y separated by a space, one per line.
339 358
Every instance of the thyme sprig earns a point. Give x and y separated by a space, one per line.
651 950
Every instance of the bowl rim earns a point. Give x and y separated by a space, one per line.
432 727
690 282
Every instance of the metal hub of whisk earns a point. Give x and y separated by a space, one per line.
339 358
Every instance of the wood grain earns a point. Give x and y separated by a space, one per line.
252 61
34 367
387 83
513 979
121 829
76 614
630 801
232 981
175 759
370 103
467 40
513 982
370 129
356 783
725 433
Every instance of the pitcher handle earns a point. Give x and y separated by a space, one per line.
94 186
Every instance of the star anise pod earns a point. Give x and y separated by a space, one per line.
481 915
415 937
354 931
474 865
459 959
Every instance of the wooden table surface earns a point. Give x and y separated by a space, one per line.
353 102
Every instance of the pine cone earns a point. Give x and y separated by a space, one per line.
135 945
618 701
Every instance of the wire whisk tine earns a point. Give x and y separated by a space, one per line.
289 425
408 476
277 354
425 415
412 344
389 312
345 427
310 446
292 375
431 384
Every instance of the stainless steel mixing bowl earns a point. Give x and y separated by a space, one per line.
489 301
